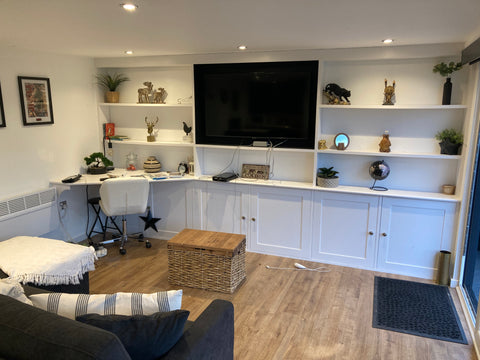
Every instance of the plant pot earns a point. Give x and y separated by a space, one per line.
448 148
97 170
327 182
112 96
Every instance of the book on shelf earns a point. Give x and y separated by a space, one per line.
119 137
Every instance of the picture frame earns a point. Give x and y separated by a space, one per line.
2 112
252 171
36 100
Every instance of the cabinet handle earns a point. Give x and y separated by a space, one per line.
243 217
253 219
384 234
370 233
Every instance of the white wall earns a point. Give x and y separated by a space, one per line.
33 155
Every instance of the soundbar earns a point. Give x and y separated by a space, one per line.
224 177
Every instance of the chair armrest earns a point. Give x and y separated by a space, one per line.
209 337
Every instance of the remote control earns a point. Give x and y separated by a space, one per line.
72 179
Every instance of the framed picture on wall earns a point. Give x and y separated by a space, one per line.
2 113
36 100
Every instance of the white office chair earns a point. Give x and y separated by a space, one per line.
124 196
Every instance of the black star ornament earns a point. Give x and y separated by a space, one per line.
150 221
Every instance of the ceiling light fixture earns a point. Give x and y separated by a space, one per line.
387 41
129 52
242 47
129 7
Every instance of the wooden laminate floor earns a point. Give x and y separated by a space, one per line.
284 314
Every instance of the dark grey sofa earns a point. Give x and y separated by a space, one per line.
27 332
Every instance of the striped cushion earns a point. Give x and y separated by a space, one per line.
73 305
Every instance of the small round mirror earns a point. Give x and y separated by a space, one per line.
341 141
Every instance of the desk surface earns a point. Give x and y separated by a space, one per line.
88 179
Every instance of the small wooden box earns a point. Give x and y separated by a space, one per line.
207 260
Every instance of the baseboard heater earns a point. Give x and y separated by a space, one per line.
28 214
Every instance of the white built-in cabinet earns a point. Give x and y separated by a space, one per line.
398 231
345 229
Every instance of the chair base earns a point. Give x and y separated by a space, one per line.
123 237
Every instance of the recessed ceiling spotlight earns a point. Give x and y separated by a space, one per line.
242 47
387 41
129 7
129 52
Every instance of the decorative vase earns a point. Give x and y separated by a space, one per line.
449 148
327 182
112 96
152 165
447 91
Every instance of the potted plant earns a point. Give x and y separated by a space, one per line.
97 163
447 70
110 83
327 177
450 141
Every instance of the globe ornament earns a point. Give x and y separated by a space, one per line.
379 170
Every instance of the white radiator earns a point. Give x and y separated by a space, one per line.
29 214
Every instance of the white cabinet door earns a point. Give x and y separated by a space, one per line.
279 221
412 232
220 207
344 229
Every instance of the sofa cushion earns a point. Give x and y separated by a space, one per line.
14 289
73 305
30 333
144 337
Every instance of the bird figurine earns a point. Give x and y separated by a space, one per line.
186 128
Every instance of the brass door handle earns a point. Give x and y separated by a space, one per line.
370 233
384 234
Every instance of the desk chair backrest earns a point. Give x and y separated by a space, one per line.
124 196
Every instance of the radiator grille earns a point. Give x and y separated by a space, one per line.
27 202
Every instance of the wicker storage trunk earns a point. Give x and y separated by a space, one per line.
207 260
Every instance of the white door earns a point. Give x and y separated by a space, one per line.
279 221
412 232
344 229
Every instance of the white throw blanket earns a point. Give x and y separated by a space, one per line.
41 261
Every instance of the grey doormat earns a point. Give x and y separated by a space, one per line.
418 309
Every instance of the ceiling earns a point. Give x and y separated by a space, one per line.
101 28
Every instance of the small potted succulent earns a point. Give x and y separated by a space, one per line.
450 141
327 177
97 163
446 71
110 83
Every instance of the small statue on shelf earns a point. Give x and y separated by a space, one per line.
335 94
150 126
159 96
385 142
389 93
144 93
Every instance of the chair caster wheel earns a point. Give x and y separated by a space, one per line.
148 245
123 251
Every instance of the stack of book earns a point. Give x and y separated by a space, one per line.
119 137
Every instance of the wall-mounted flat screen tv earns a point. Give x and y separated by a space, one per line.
273 102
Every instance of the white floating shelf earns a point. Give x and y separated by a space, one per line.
390 154
154 143
146 105
393 107
252 148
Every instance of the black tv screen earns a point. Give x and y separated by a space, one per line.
236 104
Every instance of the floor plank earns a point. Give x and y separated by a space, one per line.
284 314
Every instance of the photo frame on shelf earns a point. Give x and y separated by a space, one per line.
2 112
36 100
252 171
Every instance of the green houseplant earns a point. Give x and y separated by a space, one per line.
450 141
327 177
110 83
447 70
97 163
